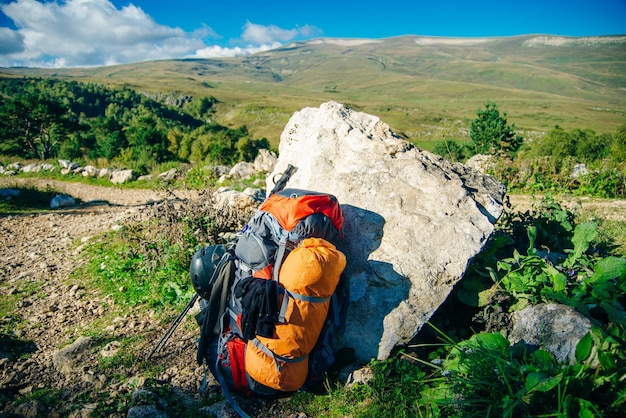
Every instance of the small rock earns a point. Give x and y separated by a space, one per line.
29 409
363 375
110 349
146 411
61 201
66 359
219 409
553 327
27 390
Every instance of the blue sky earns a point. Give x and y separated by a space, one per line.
84 33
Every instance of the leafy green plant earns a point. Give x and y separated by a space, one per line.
487 376
393 391
607 183
199 178
483 374
593 285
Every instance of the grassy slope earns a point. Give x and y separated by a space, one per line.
426 89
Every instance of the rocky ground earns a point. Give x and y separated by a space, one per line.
40 251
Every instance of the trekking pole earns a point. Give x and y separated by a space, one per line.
284 178
172 327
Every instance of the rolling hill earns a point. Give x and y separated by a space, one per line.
426 88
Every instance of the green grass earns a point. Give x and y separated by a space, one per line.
11 301
397 388
137 269
613 231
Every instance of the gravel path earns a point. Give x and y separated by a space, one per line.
38 252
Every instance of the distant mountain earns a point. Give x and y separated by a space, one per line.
426 88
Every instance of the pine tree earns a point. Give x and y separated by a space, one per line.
491 134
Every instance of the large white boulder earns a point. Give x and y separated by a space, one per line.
412 220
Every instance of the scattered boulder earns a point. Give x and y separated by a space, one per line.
234 200
31 168
218 170
30 408
579 170
168 175
146 411
265 161
105 172
68 165
220 409
62 201
257 194
552 327
481 162
123 176
69 359
16 167
412 219
90 171
360 376
242 170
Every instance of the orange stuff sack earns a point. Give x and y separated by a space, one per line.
309 276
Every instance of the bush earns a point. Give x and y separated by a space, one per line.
491 134
451 150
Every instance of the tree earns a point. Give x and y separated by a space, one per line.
34 123
618 148
201 107
583 144
556 143
248 148
591 147
491 134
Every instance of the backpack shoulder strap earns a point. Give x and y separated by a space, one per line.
280 254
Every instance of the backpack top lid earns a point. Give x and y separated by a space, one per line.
289 206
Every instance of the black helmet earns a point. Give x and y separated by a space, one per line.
202 266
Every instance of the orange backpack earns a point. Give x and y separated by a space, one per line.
275 332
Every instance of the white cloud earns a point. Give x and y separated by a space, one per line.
75 33
258 34
258 38
10 41
220 52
